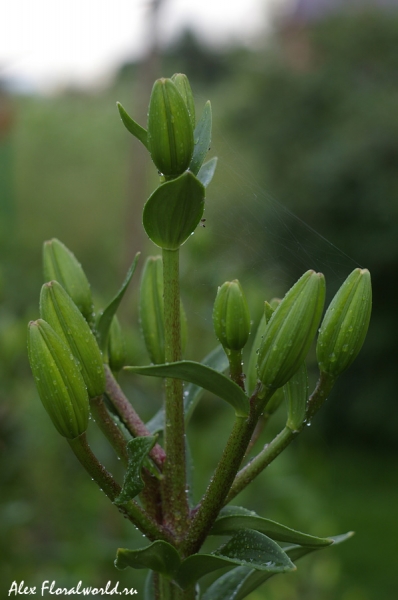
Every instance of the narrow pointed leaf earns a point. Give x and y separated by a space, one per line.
297 551
296 393
207 171
173 211
137 449
235 518
202 139
246 548
216 359
160 556
241 581
139 132
105 320
201 375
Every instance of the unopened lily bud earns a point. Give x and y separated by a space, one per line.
152 310
183 86
59 310
58 380
170 131
251 374
291 330
59 264
231 317
345 324
116 346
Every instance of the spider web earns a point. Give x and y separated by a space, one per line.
274 241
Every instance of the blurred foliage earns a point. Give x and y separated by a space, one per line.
321 136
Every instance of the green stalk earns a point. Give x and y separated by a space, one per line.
235 367
220 484
150 493
218 488
319 395
129 417
262 460
175 504
109 428
112 489
282 440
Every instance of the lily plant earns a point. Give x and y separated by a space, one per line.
75 355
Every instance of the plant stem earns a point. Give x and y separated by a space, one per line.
109 428
262 460
219 486
235 367
175 503
319 395
150 493
220 483
282 440
112 489
129 416
261 424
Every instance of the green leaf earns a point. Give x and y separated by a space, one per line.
207 171
137 450
202 139
174 211
201 375
296 394
235 518
216 359
241 581
246 548
228 586
105 320
297 551
160 556
139 132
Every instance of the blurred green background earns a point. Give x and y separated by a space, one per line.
306 130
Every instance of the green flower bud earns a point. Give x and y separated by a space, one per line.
291 330
170 132
59 264
231 317
182 84
152 310
116 346
58 380
59 310
251 375
345 324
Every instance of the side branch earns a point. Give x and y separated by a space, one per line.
112 489
129 416
282 440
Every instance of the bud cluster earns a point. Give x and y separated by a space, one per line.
64 355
